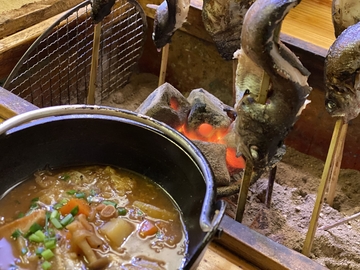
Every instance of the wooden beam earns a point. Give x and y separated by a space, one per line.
11 105
260 250
31 14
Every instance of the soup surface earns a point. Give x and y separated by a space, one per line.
90 218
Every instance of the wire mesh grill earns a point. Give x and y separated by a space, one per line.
55 70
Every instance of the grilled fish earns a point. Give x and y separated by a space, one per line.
342 74
169 16
344 14
262 128
223 20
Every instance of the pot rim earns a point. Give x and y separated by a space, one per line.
205 221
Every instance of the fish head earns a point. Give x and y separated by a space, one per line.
164 24
342 74
343 97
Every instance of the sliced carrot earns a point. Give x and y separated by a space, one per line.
84 208
147 228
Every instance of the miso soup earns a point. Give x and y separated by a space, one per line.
90 218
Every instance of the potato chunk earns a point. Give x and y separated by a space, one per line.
117 230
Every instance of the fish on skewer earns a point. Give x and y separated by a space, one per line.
169 16
262 128
223 20
100 9
342 75
344 14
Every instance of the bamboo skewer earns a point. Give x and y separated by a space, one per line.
163 66
94 64
341 221
337 137
243 191
335 169
249 166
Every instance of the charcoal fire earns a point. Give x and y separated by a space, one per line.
202 118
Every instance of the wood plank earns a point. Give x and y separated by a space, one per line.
11 105
31 14
260 250
218 258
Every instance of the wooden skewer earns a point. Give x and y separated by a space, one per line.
336 137
335 168
94 64
163 67
341 221
249 166
243 192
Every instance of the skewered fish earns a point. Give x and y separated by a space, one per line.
262 128
100 9
169 16
223 20
342 74
344 14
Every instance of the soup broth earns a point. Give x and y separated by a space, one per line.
90 218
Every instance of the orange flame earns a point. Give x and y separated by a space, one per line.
208 133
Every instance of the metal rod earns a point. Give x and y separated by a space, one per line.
270 186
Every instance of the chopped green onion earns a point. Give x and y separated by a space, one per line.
35 238
16 234
67 220
109 203
47 254
24 250
20 215
71 192
75 210
64 177
46 265
54 214
40 234
34 203
50 243
36 199
92 192
39 250
57 206
33 228
56 223
80 195
122 211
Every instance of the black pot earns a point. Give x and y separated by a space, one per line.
78 135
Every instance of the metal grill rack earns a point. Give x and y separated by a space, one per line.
55 70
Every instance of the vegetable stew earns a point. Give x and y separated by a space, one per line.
93 217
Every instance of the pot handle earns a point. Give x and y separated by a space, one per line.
219 214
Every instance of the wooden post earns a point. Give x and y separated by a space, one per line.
94 64
336 137
163 67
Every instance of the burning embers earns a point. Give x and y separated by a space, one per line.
202 118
